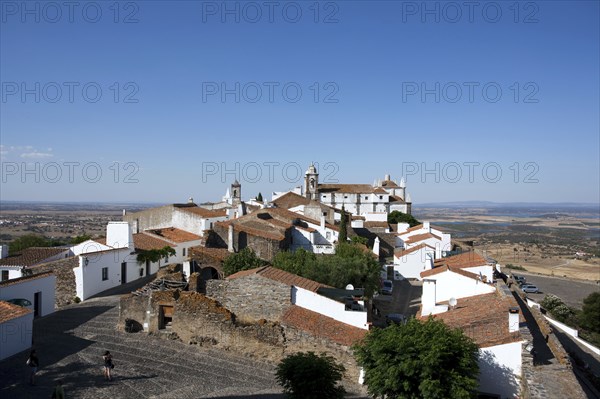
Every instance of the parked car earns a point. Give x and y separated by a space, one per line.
520 279
530 289
20 302
387 287
395 318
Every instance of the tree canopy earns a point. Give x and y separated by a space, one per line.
308 376
259 197
243 260
350 264
31 240
420 359
589 317
343 237
154 255
399 217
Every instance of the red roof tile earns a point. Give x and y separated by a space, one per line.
32 256
346 188
146 242
466 259
203 212
216 253
401 252
421 237
442 269
484 318
322 326
8 311
176 235
27 278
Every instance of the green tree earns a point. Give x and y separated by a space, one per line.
244 260
155 255
399 217
550 302
350 264
421 359
360 240
308 376
28 241
79 239
589 317
259 197
343 237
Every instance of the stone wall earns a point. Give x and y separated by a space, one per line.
200 320
65 278
265 248
252 297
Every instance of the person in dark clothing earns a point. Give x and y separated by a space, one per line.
33 363
108 365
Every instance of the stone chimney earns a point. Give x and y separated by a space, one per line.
230 238
513 319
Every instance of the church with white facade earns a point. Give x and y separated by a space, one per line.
373 202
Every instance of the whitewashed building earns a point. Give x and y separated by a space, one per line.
16 329
410 263
424 233
38 289
15 266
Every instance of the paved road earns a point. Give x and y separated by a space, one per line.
70 343
405 299
571 292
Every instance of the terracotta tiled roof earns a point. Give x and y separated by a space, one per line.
27 278
420 226
346 188
322 326
290 200
146 242
379 190
396 198
376 224
281 276
401 252
484 318
203 212
464 260
421 237
176 235
389 184
101 240
8 311
442 269
32 256
216 253
260 230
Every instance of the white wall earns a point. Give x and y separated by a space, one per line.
450 284
16 335
27 288
119 235
487 271
89 278
13 271
328 307
499 369
411 265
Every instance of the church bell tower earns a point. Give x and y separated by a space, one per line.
311 183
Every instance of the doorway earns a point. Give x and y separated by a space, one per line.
37 304
123 272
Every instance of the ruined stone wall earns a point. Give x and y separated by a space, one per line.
150 218
265 248
65 279
203 321
252 297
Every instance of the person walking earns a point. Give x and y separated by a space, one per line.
59 392
33 363
108 365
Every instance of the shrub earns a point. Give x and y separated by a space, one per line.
550 302
76 299
308 376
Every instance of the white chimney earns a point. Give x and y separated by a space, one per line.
119 235
323 222
376 246
428 297
427 227
124 212
230 238
3 251
387 177
513 319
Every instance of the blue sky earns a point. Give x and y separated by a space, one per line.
498 103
